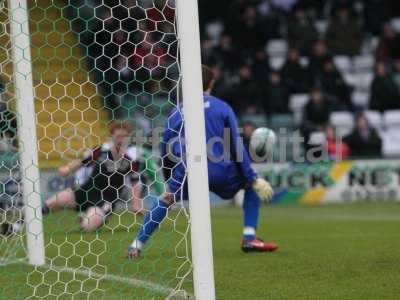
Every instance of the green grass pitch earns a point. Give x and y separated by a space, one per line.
347 251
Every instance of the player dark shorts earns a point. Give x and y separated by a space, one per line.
89 196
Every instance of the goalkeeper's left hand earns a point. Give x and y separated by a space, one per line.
263 189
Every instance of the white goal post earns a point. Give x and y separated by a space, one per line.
188 35
28 148
193 109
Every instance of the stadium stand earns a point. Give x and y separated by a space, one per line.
357 67
265 32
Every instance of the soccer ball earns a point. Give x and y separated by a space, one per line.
262 141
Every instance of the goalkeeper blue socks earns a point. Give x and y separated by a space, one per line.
251 206
151 222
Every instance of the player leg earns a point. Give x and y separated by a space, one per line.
226 187
63 199
95 207
151 222
158 212
137 203
251 209
93 218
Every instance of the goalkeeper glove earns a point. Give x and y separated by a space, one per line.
263 189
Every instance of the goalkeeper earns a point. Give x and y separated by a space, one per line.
226 176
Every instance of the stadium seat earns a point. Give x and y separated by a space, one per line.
259 120
276 62
214 30
350 78
296 105
360 98
360 81
343 121
375 119
322 26
396 24
278 121
369 45
343 63
277 47
363 62
298 101
304 61
391 143
391 119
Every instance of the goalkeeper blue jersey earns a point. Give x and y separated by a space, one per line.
229 165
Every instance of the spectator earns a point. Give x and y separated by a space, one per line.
247 92
295 75
384 91
226 54
277 96
317 110
364 141
248 31
261 66
334 86
316 113
301 31
319 55
344 36
389 44
337 149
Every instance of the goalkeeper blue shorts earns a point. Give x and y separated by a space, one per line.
225 180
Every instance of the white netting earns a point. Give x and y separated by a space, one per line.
93 62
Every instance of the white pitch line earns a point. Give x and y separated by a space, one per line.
130 281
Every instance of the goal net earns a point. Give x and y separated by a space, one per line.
69 70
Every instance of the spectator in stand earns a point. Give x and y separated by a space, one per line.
261 66
248 31
302 33
226 54
389 44
364 141
344 36
295 75
337 149
316 113
277 96
318 56
317 110
246 94
384 91
334 86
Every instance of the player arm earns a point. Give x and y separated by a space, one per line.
71 167
238 152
